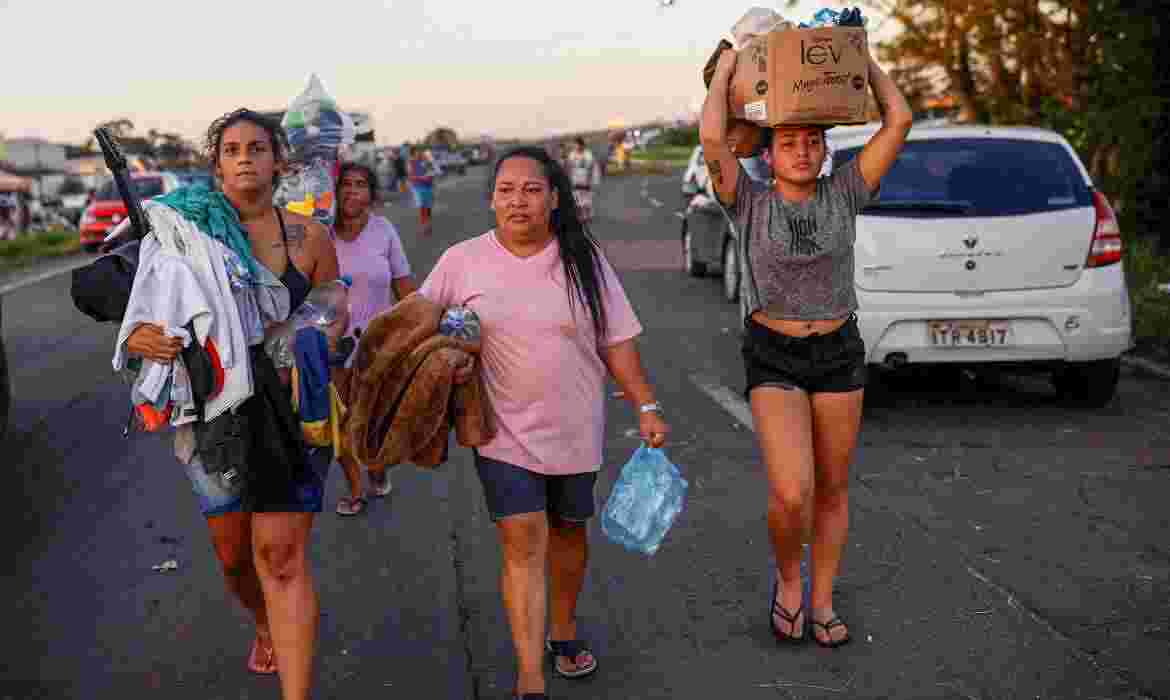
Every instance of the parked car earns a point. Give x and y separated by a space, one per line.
106 208
992 245
5 385
476 155
74 199
708 233
450 162
988 246
189 178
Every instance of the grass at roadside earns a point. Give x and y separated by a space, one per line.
643 167
42 244
1146 269
677 156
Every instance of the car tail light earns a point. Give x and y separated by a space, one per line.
1105 248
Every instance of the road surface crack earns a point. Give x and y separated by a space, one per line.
462 608
1014 600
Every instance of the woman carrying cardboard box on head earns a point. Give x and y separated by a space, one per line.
804 357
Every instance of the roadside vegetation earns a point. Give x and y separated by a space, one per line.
40 244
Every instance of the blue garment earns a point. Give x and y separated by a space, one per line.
424 196
311 349
215 216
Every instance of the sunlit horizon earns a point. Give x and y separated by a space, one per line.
474 68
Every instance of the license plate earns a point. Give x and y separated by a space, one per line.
969 333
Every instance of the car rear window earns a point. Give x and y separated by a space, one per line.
980 177
146 187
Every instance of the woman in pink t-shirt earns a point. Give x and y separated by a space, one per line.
370 252
555 323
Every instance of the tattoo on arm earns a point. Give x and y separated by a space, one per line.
296 236
716 170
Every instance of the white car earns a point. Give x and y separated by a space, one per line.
987 245
991 245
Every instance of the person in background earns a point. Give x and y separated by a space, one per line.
421 172
370 252
584 174
401 160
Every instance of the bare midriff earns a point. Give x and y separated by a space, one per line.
798 329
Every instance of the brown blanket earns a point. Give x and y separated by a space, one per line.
401 393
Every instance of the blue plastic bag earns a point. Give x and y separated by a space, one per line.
645 501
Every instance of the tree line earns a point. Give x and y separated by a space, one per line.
1097 71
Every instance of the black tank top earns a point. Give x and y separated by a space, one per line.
294 280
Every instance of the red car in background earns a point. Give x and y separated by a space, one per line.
106 208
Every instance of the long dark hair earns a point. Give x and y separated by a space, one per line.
580 252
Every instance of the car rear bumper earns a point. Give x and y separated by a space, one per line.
94 233
1091 320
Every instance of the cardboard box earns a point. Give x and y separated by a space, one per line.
803 76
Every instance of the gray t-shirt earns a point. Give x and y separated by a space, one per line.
800 254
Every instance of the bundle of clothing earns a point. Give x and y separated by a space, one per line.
401 393
197 278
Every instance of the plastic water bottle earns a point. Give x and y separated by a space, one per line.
460 322
825 17
646 499
323 304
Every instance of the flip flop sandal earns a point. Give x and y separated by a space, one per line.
827 626
570 649
380 488
351 506
789 617
269 666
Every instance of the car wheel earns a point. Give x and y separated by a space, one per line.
1088 384
730 271
692 267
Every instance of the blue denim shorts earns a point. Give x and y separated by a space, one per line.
308 496
512 490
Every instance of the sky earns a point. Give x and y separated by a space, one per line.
506 68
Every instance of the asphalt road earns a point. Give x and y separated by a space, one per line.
1002 545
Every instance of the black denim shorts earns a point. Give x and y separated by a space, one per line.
829 363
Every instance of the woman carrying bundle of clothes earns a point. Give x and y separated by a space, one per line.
230 266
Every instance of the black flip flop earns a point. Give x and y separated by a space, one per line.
570 649
828 625
790 617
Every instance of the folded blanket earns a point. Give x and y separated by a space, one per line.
401 397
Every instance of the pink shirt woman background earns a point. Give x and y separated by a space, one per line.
370 252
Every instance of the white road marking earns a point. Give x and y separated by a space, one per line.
655 202
1155 368
13 286
727 399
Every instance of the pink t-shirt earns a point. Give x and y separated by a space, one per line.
541 362
374 259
